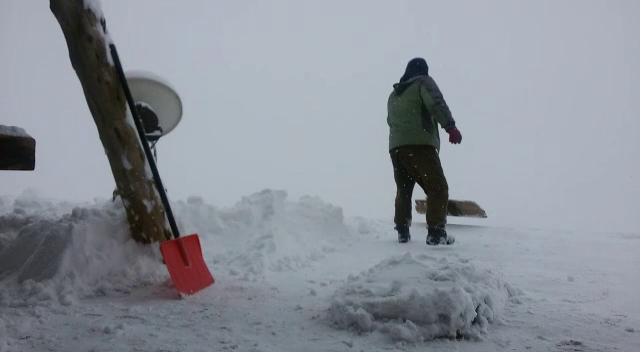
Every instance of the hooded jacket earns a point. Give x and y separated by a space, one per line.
415 108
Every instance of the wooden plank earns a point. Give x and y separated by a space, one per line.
461 208
465 208
17 149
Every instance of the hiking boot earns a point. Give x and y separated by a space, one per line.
403 233
439 236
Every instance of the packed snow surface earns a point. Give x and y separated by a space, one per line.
296 275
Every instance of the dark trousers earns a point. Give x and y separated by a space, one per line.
419 164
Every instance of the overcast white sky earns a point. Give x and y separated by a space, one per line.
291 95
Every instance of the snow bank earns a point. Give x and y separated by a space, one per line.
56 252
46 259
264 232
31 203
417 299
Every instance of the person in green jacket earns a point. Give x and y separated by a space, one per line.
414 110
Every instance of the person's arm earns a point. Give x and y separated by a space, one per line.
434 101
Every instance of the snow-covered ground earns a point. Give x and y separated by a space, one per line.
295 275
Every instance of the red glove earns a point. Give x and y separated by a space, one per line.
454 135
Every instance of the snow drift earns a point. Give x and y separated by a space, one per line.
46 256
57 252
265 232
417 299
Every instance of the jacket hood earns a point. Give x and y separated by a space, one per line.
416 68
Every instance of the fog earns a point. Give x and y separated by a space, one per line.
292 95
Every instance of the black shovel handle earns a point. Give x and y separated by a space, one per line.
145 143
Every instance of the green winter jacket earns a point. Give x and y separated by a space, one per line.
414 109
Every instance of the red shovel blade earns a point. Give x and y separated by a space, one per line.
187 269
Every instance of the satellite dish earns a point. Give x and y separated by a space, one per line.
159 105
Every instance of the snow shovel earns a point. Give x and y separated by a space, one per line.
182 255
461 208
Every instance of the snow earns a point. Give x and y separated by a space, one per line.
296 275
125 162
13 131
132 124
96 7
264 233
3 336
145 105
58 259
148 205
419 299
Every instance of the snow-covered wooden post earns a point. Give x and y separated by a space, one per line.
85 31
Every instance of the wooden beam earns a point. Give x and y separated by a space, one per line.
462 208
17 149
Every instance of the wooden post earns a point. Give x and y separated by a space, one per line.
85 31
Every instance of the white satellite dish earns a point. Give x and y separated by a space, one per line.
158 103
